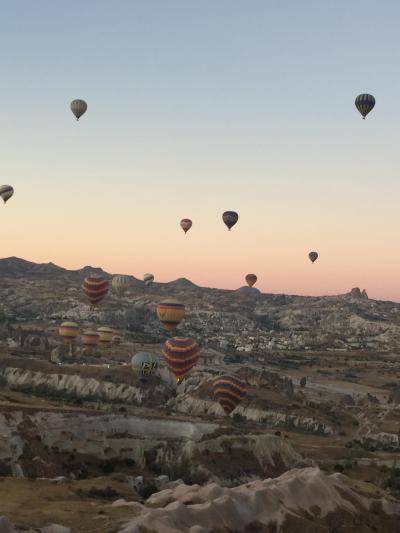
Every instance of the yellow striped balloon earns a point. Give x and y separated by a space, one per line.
180 354
229 390
68 331
170 313
120 284
90 338
95 288
106 335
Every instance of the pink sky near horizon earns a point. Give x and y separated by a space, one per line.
210 255
136 229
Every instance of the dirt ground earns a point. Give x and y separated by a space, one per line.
38 503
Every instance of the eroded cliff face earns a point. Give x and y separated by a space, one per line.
95 390
160 445
196 406
84 388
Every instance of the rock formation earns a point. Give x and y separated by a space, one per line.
299 500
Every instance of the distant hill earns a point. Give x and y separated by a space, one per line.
15 267
182 283
278 322
248 291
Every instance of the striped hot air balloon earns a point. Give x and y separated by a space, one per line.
251 279
6 191
144 364
170 313
95 289
105 335
180 354
313 256
186 224
90 338
78 107
68 331
230 218
365 103
229 390
120 284
148 278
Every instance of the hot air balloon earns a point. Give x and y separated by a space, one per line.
105 335
186 224
229 390
365 103
69 332
170 313
95 288
90 338
251 279
6 191
117 337
180 354
78 107
120 284
313 256
144 364
148 279
230 218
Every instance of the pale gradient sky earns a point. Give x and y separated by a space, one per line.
195 108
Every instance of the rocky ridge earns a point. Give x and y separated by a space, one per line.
299 500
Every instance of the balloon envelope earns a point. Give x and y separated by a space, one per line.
365 103
95 288
105 334
229 390
186 224
90 338
230 218
6 191
313 256
78 107
251 279
144 364
68 331
170 313
148 278
120 284
180 354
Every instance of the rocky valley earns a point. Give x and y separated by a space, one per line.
85 445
